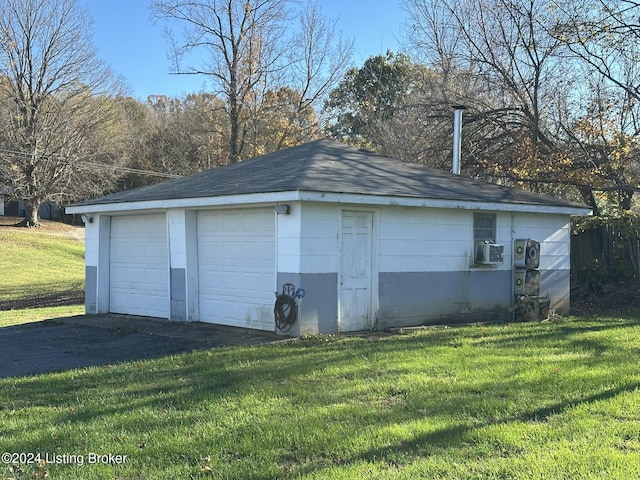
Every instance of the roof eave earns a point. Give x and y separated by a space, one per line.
328 197
442 203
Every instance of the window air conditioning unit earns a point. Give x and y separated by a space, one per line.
526 253
489 254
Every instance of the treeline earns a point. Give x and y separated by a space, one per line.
552 90
166 137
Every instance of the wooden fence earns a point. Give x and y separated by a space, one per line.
603 254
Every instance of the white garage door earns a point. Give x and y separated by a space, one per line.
138 274
236 261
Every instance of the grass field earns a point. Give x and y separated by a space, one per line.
550 400
40 267
16 317
521 401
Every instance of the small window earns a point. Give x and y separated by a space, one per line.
484 228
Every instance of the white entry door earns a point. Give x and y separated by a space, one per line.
356 272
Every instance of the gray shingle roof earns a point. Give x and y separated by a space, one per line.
329 167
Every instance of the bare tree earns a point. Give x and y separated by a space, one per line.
319 58
497 57
54 97
504 45
604 35
239 41
249 49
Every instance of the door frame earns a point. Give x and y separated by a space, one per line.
375 218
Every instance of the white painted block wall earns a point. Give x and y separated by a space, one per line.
425 240
319 238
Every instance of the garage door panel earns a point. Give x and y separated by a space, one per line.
208 249
231 252
118 300
154 250
236 267
135 250
135 278
253 282
139 278
257 316
219 280
254 224
133 303
251 250
118 275
139 266
226 312
237 284
258 252
268 254
124 251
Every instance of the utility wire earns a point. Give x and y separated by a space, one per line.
130 170
101 165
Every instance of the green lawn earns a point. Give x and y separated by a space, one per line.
38 269
15 317
523 401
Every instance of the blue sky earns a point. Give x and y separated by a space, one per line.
134 47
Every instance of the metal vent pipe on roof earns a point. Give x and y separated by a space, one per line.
457 137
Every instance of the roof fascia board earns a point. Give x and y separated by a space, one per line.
440 203
189 203
311 196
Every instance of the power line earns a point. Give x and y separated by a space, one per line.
130 170
100 165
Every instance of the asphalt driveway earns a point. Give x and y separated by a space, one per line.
88 340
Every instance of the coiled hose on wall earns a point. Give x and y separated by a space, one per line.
285 310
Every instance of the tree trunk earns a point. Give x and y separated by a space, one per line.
590 199
234 120
31 215
626 197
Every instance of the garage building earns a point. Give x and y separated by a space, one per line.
373 241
